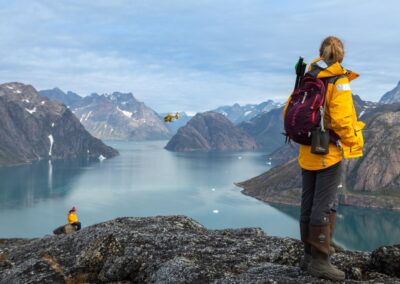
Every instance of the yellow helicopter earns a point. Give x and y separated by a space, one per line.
169 117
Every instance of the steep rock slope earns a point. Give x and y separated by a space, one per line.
266 129
33 128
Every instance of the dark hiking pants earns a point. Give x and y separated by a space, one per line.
318 198
77 225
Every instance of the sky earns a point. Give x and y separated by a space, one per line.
193 55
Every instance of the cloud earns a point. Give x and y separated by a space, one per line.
193 55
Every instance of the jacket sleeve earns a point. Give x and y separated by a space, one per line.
341 110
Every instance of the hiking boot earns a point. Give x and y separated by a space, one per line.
320 266
334 247
305 261
306 258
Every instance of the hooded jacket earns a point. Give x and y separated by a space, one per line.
72 218
340 116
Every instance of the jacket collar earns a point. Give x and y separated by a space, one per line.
320 69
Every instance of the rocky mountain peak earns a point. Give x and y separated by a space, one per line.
70 98
392 96
33 127
122 97
210 131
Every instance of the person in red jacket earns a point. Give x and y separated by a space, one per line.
73 219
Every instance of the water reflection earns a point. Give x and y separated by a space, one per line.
360 228
23 186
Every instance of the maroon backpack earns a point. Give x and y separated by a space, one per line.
303 113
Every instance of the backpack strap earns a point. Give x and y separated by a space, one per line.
331 80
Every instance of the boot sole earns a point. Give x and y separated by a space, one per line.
317 273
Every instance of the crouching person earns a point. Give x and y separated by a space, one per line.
73 219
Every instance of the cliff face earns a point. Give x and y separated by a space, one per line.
370 181
118 116
210 131
176 249
33 128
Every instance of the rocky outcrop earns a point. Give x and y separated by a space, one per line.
237 113
210 131
392 96
116 116
175 249
371 181
34 128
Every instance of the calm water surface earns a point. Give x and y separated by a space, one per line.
146 180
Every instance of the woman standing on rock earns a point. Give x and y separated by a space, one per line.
321 174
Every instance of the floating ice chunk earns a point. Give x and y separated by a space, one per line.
269 163
102 158
212 189
340 216
31 110
215 211
88 151
52 125
51 143
240 157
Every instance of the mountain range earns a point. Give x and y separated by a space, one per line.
113 116
237 113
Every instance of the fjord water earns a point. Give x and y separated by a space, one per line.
147 180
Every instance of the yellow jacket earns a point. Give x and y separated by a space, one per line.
340 116
72 218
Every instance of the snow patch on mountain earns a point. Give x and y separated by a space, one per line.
124 112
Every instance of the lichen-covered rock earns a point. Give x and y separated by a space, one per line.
169 249
387 260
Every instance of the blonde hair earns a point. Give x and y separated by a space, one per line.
332 50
